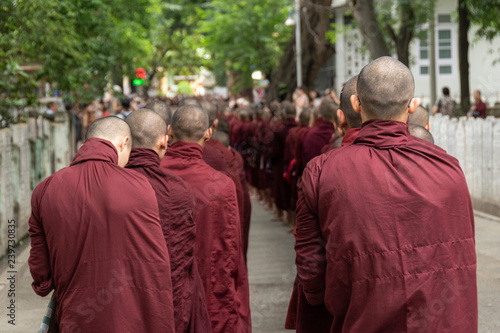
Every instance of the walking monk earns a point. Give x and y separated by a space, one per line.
176 206
218 244
385 227
96 239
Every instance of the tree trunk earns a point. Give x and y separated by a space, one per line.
366 20
315 52
463 54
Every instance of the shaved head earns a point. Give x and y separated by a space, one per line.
419 117
305 116
420 132
162 109
146 127
328 110
288 109
352 117
189 101
211 109
385 88
108 128
223 125
222 137
189 123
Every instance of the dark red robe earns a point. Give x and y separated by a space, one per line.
290 155
385 235
214 158
218 245
176 208
281 192
350 136
315 139
96 239
247 203
232 170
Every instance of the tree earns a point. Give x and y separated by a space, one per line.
485 15
389 26
244 36
463 53
316 50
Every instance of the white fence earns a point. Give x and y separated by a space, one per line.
476 144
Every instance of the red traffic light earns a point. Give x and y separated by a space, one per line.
140 73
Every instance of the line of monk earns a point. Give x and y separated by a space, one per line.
148 229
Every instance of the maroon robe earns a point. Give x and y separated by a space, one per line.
247 203
232 171
96 239
218 245
385 235
281 192
214 158
350 136
315 139
176 207
290 155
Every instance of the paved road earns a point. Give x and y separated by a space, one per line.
271 275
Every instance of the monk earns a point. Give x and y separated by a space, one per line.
231 165
176 205
213 157
320 135
420 117
421 133
218 248
303 316
385 227
349 120
96 239
291 157
280 185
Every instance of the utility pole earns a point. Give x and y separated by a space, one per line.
298 46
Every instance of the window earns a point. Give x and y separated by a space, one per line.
445 70
444 18
444 40
424 70
424 49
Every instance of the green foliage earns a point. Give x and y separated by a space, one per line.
244 36
485 14
184 88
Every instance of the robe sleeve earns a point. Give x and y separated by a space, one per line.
39 260
309 242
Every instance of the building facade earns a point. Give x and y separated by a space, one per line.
351 55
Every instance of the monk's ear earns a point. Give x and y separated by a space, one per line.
123 144
215 123
414 104
428 126
164 142
341 117
208 134
356 106
170 132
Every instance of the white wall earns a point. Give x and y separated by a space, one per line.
476 145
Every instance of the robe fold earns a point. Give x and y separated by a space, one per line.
385 235
96 239
290 155
315 139
350 136
218 243
176 208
